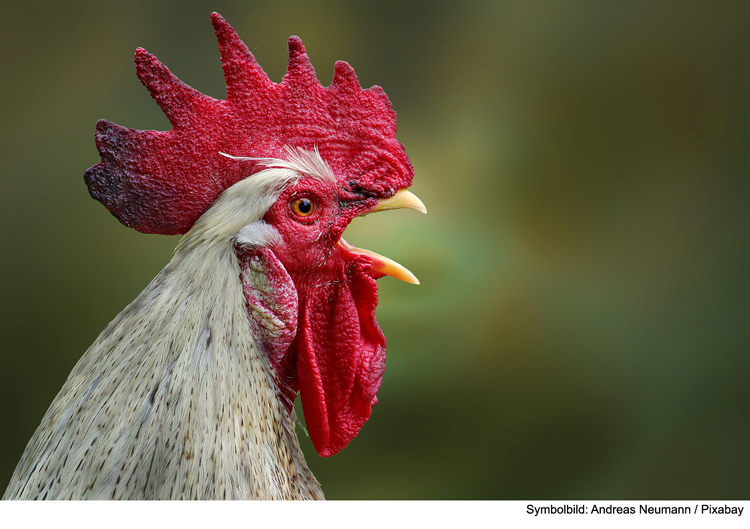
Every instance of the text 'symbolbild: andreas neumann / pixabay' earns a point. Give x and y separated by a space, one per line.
643 508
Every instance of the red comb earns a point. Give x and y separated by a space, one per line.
161 182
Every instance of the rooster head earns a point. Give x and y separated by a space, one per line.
319 290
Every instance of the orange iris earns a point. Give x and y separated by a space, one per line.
303 207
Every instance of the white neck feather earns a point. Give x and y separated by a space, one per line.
175 399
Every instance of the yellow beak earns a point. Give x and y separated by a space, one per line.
381 264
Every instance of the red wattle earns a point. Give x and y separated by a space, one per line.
340 358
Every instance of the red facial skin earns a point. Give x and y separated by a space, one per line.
338 356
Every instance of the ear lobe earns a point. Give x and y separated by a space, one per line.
272 308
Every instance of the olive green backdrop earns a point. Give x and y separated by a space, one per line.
581 330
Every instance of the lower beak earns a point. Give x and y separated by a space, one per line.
381 264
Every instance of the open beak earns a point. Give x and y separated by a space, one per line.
381 264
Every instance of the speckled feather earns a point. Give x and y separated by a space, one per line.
175 399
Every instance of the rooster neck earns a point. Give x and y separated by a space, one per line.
174 400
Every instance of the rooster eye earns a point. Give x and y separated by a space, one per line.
303 207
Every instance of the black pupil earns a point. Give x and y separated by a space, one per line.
304 206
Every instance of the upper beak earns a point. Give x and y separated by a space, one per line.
402 199
381 264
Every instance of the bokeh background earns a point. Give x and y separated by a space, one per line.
581 330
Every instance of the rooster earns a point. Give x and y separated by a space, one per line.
188 393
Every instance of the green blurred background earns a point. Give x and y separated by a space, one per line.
581 330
